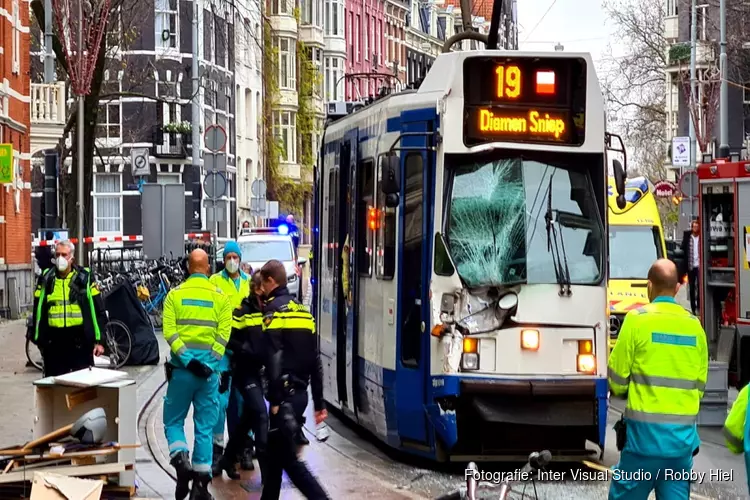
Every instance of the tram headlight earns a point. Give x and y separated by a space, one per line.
470 357
530 340
586 363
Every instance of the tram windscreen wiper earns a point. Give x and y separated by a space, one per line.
556 245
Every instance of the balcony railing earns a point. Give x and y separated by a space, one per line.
170 144
48 103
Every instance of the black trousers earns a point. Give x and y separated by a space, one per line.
693 284
281 456
65 350
254 416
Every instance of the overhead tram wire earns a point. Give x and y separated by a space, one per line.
540 20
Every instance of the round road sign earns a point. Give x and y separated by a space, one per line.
216 138
140 161
215 185
689 183
258 187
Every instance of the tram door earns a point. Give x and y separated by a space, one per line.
346 319
412 365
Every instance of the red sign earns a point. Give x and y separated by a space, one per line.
665 189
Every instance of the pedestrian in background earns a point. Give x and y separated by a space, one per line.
248 345
691 267
292 360
68 315
660 363
197 323
236 286
45 254
737 427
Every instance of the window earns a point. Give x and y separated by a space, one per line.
107 203
249 115
109 128
165 178
632 251
316 58
746 92
412 285
334 70
166 21
312 12
263 251
385 237
284 128
16 38
334 22
357 31
672 7
704 23
333 215
367 37
287 62
366 217
279 7
258 117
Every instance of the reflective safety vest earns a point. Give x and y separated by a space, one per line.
62 311
197 322
737 429
235 290
660 361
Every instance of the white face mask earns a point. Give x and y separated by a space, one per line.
232 265
61 263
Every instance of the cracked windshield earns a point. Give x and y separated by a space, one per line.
497 230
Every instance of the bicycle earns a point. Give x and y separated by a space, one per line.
537 461
118 344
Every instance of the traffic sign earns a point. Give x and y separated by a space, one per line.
681 151
689 207
215 161
258 188
689 184
216 138
664 189
6 163
215 185
215 210
139 162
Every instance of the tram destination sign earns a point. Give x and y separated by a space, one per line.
536 100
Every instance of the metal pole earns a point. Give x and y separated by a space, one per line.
196 121
693 93
49 54
723 103
81 175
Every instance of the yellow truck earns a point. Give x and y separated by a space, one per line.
636 240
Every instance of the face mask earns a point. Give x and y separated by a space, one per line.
61 263
232 266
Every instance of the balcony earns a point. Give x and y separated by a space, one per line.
290 171
671 28
312 35
48 115
679 54
170 144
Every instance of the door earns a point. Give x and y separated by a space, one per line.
413 279
352 295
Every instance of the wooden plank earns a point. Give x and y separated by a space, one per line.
71 470
8 467
80 396
62 431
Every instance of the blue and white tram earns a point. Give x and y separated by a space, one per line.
460 265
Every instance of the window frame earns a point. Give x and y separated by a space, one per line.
287 62
107 195
288 131
362 219
16 37
162 45
380 235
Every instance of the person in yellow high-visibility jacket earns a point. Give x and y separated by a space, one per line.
236 285
660 362
737 430
197 325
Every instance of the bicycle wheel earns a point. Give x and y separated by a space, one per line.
34 355
118 343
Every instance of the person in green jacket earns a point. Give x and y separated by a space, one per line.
736 430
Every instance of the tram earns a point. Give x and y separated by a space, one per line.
460 278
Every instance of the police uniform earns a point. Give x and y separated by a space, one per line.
248 345
197 322
292 360
660 361
236 290
737 429
69 317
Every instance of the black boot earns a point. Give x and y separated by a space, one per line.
228 465
301 439
200 487
246 462
215 468
181 463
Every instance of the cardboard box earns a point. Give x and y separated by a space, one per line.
49 486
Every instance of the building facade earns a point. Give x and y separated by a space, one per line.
16 271
146 102
364 45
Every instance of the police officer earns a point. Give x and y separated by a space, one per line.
236 285
68 316
248 345
197 324
292 360
737 427
660 362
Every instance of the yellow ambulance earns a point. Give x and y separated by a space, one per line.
636 240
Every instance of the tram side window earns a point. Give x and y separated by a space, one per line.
385 237
411 278
332 216
366 221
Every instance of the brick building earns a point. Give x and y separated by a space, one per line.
16 274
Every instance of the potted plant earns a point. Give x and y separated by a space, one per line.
183 127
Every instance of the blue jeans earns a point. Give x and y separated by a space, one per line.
186 389
635 476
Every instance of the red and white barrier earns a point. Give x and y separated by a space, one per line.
113 239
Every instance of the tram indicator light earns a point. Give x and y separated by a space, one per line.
545 82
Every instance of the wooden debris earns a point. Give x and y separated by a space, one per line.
47 438
75 398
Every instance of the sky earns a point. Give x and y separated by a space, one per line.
579 25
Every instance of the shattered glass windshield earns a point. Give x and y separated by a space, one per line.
497 231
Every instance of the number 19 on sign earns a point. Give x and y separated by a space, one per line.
508 81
